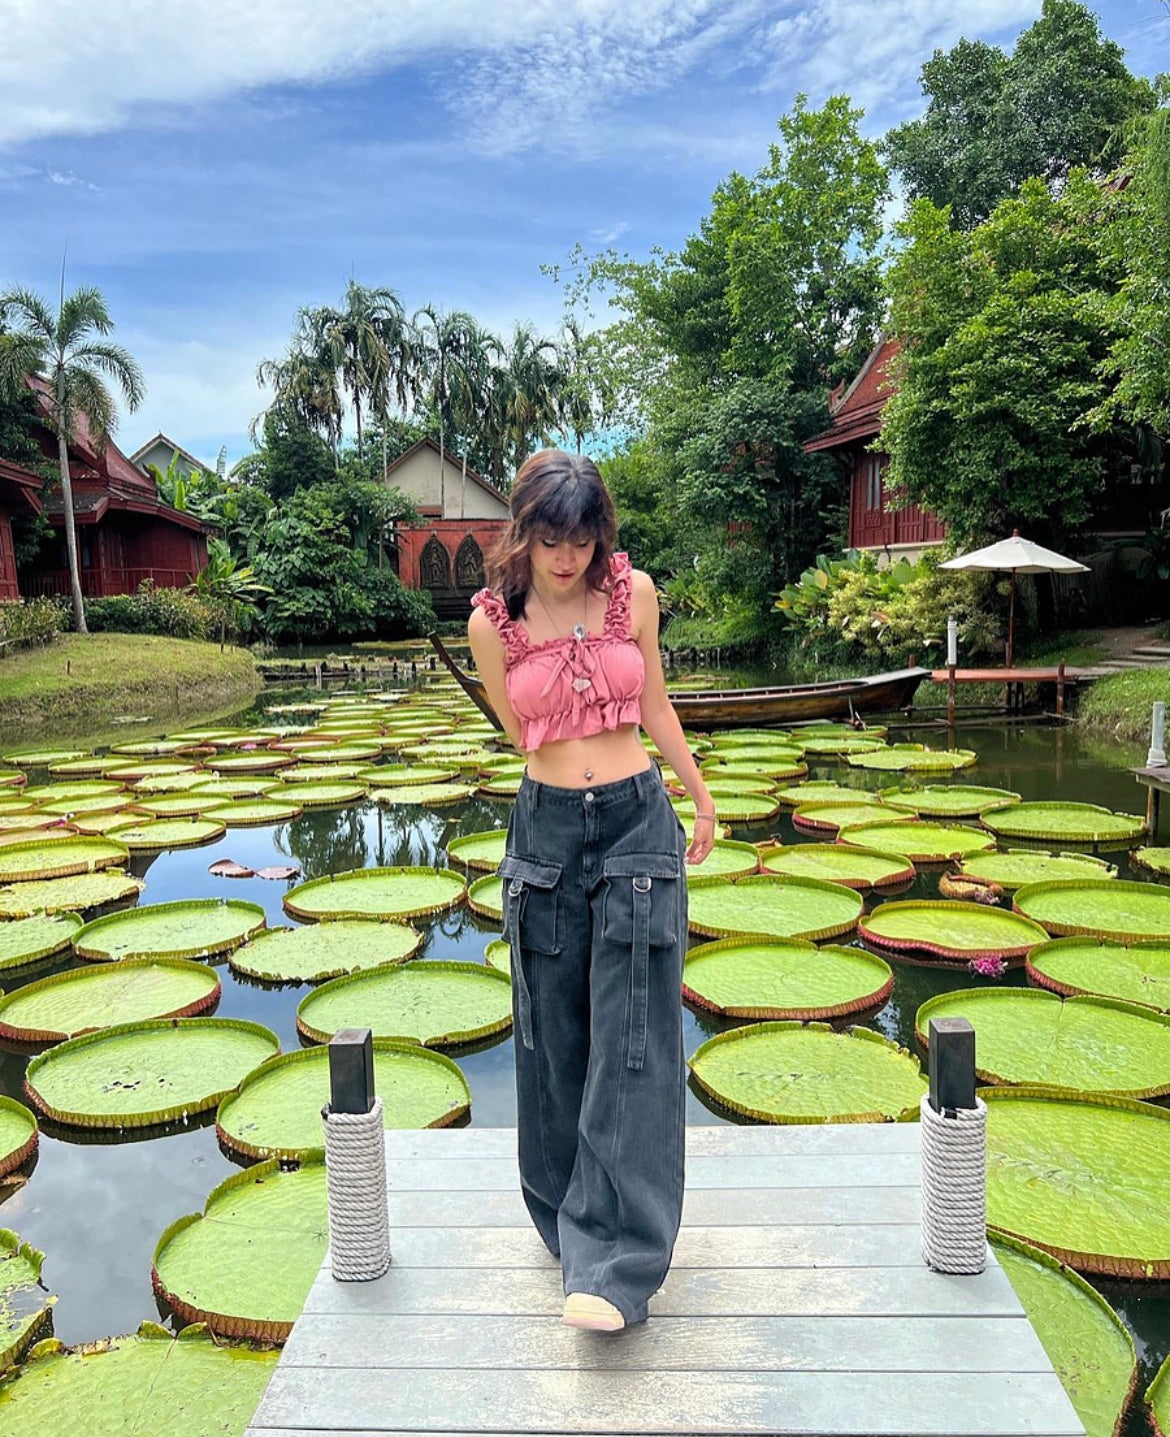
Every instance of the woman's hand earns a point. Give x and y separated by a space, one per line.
704 839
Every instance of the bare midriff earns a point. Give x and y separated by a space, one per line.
607 757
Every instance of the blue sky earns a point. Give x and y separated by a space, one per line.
214 166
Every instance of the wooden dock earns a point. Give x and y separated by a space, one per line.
797 1302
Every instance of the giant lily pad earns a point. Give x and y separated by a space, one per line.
1127 912
501 785
84 999
1019 866
1064 823
479 850
96 804
41 757
1157 860
68 895
837 863
253 812
156 833
187 928
341 753
276 1110
25 1305
725 859
30 940
25 822
226 788
1087 1343
18 1135
377 893
246 1264
772 906
138 1074
824 791
834 816
178 805
388 775
791 1072
955 800
324 950
784 978
773 767
1139 973
499 954
1157 1398
918 841
317 795
486 896
838 744
435 1003
79 790
262 761
913 758
950 929
1084 1176
58 857
185 1386
1085 1044
425 795
733 807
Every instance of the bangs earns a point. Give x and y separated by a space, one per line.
571 510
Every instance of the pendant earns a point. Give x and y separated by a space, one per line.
580 632
580 684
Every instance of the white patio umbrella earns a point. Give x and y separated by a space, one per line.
1017 556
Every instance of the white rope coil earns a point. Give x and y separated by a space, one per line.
954 1188
355 1174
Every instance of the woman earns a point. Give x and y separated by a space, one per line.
595 901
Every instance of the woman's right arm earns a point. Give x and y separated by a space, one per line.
487 648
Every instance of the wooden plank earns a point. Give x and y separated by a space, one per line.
687 1292
755 1344
904 1404
727 1207
516 1248
830 1170
701 1140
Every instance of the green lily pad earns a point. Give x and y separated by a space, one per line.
1127 912
1016 867
103 823
1064 822
185 1386
479 850
1085 1044
27 822
377 893
918 841
160 833
824 791
246 1264
499 954
1137 973
151 747
139 1074
225 788
733 807
951 929
261 761
486 896
956 800
276 1111
25 1305
58 857
68 895
322 773
84 999
253 812
18 1135
41 757
1155 859
94 803
1087 1343
389 775
195 778
30 940
90 766
426 794
425 1001
126 771
834 816
726 859
838 745
324 950
914 758
838 863
773 765
341 753
717 783
179 805
784 978
186 928
1083 1176
505 785
771 906
1157 1397
317 795
789 1072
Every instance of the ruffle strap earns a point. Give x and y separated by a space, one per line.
514 639
617 613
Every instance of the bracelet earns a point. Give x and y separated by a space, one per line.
712 816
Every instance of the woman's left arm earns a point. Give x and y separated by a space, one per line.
659 719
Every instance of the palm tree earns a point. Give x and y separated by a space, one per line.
585 396
531 392
470 386
60 350
438 350
305 386
357 342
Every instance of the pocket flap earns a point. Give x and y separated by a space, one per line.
634 865
531 870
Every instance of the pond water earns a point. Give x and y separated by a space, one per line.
97 1209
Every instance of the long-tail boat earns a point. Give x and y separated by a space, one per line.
752 708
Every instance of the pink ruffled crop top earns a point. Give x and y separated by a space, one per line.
572 688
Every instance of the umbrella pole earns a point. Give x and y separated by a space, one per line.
1011 620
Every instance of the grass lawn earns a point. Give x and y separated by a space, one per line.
90 680
1120 704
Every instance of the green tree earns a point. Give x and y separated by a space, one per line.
60 351
291 456
1061 99
445 343
363 342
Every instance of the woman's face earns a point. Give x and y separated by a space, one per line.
558 563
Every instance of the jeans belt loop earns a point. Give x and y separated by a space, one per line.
523 998
640 970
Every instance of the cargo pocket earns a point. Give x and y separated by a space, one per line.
641 913
532 921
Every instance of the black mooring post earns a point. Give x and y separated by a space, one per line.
952 1064
351 1071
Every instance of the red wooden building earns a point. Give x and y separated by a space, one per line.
19 497
124 532
856 411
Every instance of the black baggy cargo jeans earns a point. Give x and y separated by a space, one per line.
595 911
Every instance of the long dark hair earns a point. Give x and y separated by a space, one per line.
555 495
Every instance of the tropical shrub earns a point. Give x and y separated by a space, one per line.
170 612
31 621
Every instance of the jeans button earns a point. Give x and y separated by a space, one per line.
589 796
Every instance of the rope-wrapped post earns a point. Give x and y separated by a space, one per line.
355 1161
954 1153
